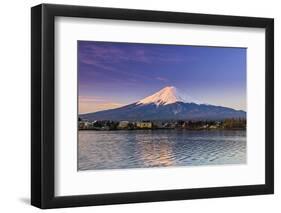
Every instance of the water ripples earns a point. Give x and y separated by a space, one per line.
159 148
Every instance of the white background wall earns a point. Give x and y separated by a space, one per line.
15 105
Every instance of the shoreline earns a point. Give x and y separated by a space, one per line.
178 129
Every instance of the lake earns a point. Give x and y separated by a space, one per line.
125 149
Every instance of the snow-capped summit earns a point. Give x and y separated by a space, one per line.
167 95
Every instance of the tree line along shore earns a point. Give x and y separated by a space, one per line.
226 124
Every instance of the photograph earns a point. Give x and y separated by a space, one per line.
158 105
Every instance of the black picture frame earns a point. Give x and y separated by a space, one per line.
43 110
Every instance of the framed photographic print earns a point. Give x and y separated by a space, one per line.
139 106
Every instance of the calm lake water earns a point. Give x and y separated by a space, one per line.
159 148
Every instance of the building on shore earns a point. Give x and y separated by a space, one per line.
123 124
144 124
84 124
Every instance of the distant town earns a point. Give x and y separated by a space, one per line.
99 125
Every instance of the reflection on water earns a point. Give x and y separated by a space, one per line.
155 154
159 148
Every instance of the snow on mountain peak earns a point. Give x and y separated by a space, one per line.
167 95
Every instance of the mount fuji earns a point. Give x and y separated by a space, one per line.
165 104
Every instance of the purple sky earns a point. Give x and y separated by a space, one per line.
115 74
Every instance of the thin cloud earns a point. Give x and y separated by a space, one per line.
96 103
96 53
87 107
91 99
161 79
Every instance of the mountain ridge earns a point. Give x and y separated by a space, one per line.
165 104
